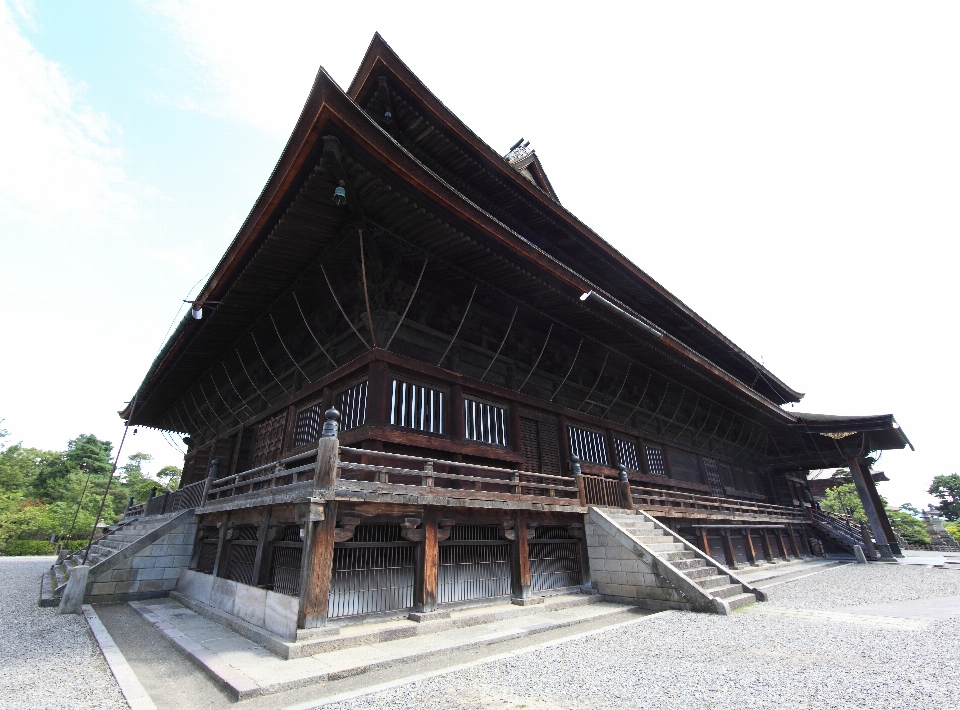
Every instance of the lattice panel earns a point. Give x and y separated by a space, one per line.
474 571
416 407
590 446
371 578
713 477
308 426
208 556
352 404
484 422
554 565
685 466
656 463
629 456
269 440
285 570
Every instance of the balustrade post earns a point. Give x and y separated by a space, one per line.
578 477
328 452
626 497
320 522
212 473
426 479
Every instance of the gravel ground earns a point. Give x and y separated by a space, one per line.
746 660
47 660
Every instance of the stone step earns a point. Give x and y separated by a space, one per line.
678 555
741 600
701 572
249 672
690 563
59 576
665 547
112 543
729 590
714 582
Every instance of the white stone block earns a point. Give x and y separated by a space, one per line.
222 594
280 615
249 604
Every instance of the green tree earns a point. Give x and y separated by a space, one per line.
953 529
947 490
912 529
170 474
85 455
841 499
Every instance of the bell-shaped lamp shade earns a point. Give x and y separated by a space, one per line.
339 196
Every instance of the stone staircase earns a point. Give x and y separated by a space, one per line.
655 565
103 554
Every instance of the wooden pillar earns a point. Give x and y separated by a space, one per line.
289 429
704 542
872 511
320 522
728 544
328 458
514 433
378 395
612 454
521 572
262 534
457 430
427 574
223 545
564 446
751 553
626 495
767 550
878 506
806 539
235 454
782 544
795 542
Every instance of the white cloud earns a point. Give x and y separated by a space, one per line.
62 160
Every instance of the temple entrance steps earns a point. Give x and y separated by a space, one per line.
636 559
138 559
231 651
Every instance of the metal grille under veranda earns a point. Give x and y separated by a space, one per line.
285 561
474 564
207 559
243 553
374 572
554 559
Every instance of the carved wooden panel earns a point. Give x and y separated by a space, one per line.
540 446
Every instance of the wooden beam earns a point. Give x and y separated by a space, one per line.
378 394
728 545
767 550
457 425
220 565
782 545
751 553
704 542
317 564
262 534
522 584
427 575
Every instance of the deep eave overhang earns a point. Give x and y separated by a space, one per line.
327 109
381 59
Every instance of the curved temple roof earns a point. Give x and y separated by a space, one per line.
477 189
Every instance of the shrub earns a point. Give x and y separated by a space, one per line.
19 548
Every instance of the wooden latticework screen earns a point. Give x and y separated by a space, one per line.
540 446
285 561
269 440
243 553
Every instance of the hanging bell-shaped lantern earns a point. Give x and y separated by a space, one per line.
340 194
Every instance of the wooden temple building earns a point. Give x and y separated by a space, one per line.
416 381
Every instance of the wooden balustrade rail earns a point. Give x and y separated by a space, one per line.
598 490
271 475
652 497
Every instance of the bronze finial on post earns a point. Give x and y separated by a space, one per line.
331 424
578 477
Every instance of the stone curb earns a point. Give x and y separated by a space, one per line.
134 693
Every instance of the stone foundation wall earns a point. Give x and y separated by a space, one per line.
620 575
144 571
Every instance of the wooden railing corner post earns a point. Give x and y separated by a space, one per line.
328 452
626 496
212 473
578 477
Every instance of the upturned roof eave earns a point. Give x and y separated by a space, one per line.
380 53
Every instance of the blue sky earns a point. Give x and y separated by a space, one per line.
790 171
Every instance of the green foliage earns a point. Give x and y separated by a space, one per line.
839 499
954 530
15 548
947 490
912 529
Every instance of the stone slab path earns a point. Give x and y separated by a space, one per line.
246 669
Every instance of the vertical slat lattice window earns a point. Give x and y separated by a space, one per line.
352 404
726 476
307 430
629 456
416 407
209 543
713 477
656 464
484 422
587 445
